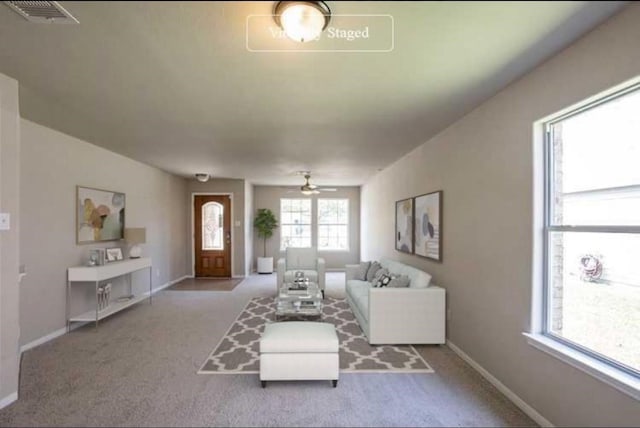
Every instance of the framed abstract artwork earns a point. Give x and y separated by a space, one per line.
404 226
428 225
99 215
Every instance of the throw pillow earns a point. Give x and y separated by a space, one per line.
378 275
373 269
361 273
384 281
399 281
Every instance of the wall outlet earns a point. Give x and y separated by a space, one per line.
448 314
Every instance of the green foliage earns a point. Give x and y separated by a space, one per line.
265 222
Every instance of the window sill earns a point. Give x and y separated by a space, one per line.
618 379
333 251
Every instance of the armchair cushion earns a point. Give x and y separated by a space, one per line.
302 259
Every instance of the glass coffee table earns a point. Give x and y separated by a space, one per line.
292 302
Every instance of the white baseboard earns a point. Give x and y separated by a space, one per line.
63 330
43 339
170 283
8 400
527 409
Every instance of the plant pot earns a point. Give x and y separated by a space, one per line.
265 264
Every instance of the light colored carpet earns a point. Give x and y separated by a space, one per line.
239 349
139 368
206 284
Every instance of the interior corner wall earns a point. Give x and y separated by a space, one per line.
235 187
269 197
9 240
484 165
52 164
248 227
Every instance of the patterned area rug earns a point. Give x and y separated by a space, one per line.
238 351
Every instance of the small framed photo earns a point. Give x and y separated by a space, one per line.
114 254
97 257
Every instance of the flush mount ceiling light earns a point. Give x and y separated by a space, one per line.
202 177
302 21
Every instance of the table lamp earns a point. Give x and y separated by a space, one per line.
135 236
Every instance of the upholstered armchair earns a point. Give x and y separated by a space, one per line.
301 259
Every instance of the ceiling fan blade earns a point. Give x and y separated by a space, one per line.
328 189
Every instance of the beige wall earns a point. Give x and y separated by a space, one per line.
484 165
9 239
52 164
269 197
236 187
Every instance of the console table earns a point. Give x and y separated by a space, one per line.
93 275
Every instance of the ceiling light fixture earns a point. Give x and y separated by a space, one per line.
302 21
202 177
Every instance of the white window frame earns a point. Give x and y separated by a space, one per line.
540 336
333 250
310 201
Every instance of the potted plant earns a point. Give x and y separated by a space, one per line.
265 222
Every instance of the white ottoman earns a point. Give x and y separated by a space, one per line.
299 350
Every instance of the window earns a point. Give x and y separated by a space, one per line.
592 230
333 224
212 215
295 223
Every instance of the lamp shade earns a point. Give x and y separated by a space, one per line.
135 235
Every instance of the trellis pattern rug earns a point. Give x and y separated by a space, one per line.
239 350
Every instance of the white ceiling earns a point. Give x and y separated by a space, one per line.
172 84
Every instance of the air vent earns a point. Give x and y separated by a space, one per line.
47 12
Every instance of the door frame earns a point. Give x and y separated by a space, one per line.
193 232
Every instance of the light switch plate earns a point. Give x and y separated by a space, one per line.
5 221
238 223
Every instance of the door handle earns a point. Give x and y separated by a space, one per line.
228 237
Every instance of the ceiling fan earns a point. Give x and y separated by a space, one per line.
311 189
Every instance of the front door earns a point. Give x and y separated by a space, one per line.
212 224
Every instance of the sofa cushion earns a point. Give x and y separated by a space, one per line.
373 269
302 258
401 281
379 275
290 275
359 293
418 278
361 273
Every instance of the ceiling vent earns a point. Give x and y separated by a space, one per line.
47 12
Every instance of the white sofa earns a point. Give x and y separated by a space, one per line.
409 315
301 259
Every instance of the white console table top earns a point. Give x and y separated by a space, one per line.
107 271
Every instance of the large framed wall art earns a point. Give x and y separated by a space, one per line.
428 225
404 226
100 215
